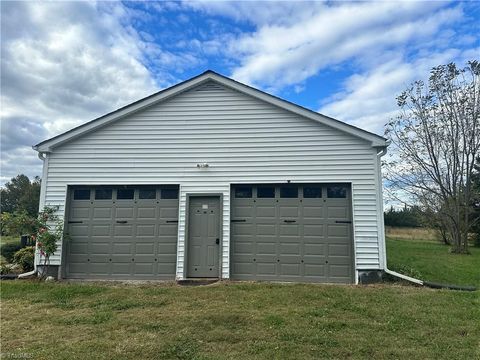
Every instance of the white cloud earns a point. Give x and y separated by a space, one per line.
62 64
276 56
369 98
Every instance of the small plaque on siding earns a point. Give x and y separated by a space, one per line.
205 206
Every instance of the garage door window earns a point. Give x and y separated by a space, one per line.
266 192
125 194
103 194
243 192
81 194
336 192
169 193
312 192
147 194
288 192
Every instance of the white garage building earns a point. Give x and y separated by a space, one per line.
215 179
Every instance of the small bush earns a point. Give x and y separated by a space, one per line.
4 269
8 250
25 258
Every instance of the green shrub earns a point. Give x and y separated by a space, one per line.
8 250
4 269
25 258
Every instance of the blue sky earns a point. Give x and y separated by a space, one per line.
65 63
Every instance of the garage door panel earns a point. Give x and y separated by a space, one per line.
168 212
100 248
146 213
288 211
244 247
100 230
81 213
123 230
290 270
314 270
103 213
312 212
342 271
264 248
266 268
124 212
120 269
338 230
145 248
263 212
315 249
262 229
77 230
292 238
313 230
145 230
290 229
290 248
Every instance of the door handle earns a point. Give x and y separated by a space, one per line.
75 222
238 220
217 241
121 221
343 221
289 221
172 221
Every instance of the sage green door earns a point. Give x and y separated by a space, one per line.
203 242
122 232
292 232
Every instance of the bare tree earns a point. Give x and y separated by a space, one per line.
435 141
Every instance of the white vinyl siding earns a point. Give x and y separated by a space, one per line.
243 139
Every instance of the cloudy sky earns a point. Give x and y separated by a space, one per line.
65 63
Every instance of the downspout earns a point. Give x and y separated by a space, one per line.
382 152
35 270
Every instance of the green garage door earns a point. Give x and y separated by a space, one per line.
292 232
122 232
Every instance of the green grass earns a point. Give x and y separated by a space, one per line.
432 261
237 320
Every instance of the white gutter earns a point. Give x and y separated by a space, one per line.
35 270
382 231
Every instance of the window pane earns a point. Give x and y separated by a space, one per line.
312 192
103 194
81 194
266 192
147 194
337 192
125 194
288 192
243 192
169 193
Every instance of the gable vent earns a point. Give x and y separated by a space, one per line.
210 86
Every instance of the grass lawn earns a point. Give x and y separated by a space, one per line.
237 320
432 261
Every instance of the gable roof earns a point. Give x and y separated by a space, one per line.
209 75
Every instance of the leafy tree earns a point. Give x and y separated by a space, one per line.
407 217
21 194
476 205
435 141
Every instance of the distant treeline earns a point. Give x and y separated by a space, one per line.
406 217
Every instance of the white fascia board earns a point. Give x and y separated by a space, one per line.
47 145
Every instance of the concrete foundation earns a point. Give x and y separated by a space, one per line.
370 276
